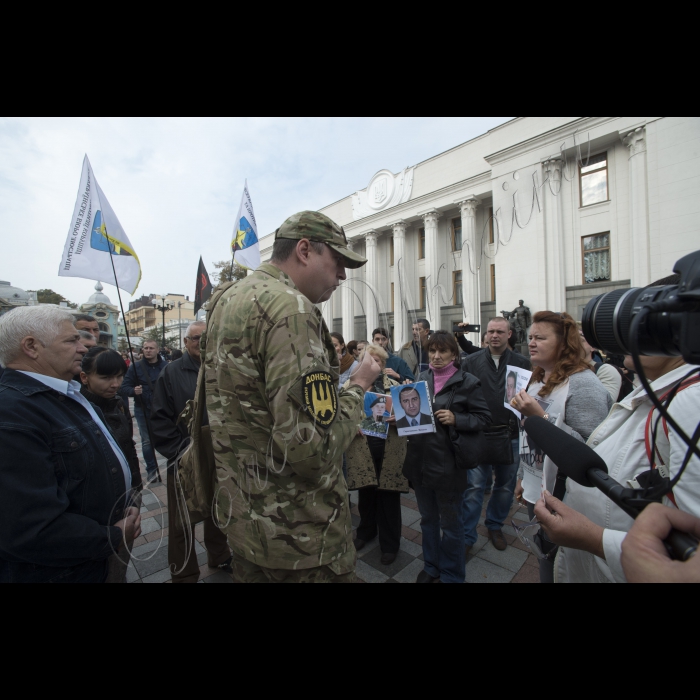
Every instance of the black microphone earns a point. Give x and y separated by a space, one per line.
581 464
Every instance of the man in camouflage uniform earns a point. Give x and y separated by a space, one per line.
279 425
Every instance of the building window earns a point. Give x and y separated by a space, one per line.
458 288
493 283
456 234
492 240
423 293
421 245
594 180
391 252
596 258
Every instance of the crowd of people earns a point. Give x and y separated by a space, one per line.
285 407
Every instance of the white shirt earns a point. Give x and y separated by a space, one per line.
72 391
620 441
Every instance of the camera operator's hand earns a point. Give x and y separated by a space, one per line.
568 528
644 556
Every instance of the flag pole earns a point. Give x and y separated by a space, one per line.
137 399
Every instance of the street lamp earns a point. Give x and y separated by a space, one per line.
164 308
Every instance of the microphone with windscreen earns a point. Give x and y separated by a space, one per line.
581 464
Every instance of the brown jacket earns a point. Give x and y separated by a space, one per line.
361 471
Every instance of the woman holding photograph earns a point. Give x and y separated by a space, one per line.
374 469
431 467
565 392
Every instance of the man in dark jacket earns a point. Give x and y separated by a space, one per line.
176 386
140 383
64 482
490 366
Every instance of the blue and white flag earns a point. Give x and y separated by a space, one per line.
246 244
95 236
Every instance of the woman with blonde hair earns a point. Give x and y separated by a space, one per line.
374 470
566 392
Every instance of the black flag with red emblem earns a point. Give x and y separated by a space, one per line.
204 288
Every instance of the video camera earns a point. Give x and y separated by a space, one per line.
657 321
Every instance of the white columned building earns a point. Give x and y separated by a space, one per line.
551 210
554 238
371 296
636 142
471 263
433 298
401 332
347 292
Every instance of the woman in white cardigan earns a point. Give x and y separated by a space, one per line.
589 527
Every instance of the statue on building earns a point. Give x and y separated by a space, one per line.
521 320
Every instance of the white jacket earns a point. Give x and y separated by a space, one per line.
620 441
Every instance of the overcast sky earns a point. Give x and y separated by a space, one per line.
176 182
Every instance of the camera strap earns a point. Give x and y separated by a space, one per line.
656 459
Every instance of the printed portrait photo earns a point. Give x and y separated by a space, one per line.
377 409
413 409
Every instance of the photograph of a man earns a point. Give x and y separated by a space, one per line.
377 410
511 387
413 409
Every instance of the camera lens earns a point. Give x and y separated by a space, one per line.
607 321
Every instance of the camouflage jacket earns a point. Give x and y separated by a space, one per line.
279 426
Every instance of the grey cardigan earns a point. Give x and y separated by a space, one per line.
587 406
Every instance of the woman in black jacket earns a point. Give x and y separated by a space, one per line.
459 404
102 375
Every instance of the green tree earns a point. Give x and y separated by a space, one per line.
48 296
156 334
225 274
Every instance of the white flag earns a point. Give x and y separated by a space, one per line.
246 245
95 236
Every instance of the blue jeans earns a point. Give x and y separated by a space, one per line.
501 500
148 454
444 556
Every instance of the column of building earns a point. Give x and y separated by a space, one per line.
401 332
554 235
371 283
347 291
639 207
471 263
433 300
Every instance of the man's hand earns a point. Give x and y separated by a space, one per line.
138 390
519 491
130 526
391 373
368 372
568 528
644 556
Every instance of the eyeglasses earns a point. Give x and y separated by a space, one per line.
196 338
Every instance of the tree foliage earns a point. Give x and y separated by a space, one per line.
226 274
48 296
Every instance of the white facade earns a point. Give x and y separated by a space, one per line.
517 192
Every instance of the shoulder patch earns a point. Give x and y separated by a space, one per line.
320 397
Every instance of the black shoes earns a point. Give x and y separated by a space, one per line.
389 559
360 545
425 577
498 540
226 566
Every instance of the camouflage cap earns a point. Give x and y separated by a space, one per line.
317 227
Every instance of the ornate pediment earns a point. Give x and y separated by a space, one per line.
385 191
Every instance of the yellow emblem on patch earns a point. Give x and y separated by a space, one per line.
320 397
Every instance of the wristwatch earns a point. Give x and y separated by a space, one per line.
546 417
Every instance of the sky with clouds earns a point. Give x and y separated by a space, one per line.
176 182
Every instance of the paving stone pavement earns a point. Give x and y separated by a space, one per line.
484 565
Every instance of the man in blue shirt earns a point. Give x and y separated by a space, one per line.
396 368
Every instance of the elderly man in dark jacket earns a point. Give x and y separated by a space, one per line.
176 386
139 384
64 482
490 366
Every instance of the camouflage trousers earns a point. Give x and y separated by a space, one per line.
247 572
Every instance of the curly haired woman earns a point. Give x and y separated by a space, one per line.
564 391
